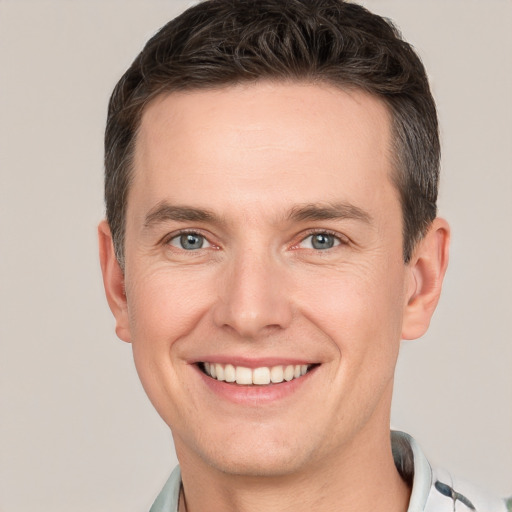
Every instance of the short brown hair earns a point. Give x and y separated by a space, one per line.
217 43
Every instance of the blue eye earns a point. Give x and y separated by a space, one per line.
189 241
320 241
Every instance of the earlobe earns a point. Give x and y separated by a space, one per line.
113 281
426 273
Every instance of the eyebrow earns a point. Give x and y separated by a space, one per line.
164 212
330 211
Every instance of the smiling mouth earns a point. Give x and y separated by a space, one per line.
262 376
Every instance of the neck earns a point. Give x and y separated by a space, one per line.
354 480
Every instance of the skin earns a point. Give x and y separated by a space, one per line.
254 157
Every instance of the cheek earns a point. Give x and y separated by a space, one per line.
164 307
360 310
164 304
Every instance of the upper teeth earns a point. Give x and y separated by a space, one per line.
261 376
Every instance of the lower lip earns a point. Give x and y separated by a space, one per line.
255 395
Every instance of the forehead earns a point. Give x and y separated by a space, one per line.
314 141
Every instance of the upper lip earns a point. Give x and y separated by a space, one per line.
253 362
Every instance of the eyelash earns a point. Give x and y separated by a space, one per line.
342 240
167 240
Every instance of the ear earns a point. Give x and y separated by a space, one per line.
426 273
113 281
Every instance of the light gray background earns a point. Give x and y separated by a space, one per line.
76 431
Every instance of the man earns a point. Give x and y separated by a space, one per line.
271 236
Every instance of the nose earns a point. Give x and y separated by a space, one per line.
253 300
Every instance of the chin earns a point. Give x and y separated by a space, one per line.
258 464
257 454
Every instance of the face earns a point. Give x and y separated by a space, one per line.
264 246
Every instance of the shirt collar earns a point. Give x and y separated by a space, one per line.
414 468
